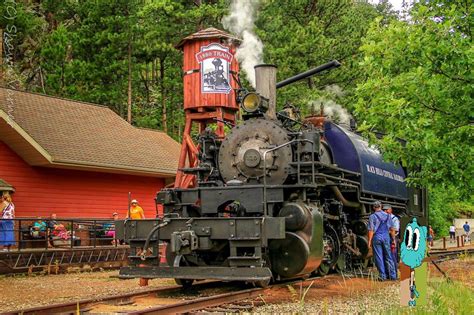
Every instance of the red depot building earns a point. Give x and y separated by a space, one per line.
77 159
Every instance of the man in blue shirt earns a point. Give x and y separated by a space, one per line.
379 239
467 229
387 208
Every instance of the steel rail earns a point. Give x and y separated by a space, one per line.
181 307
452 254
72 307
204 302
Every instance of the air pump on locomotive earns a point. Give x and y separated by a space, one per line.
278 198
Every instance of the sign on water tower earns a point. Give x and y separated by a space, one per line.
215 61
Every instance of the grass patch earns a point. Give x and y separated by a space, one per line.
444 298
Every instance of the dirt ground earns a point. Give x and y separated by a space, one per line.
332 295
461 270
324 288
21 292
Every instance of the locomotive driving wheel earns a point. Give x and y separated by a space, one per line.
332 250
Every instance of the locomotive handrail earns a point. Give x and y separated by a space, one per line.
265 210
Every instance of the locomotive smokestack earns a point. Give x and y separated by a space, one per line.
265 78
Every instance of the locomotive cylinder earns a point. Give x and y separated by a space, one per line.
295 216
265 77
301 252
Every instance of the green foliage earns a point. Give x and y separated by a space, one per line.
444 207
302 34
419 87
79 49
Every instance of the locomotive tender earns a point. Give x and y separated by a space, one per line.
278 198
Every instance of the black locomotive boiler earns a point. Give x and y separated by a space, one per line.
278 198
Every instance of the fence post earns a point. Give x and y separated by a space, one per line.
115 235
444 242
20 236
457 241
72 234
95 233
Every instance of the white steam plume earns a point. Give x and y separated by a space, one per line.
331 109
241 22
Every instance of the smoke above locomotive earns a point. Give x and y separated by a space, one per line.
241 22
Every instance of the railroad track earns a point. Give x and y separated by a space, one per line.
212 296
169 300
444 255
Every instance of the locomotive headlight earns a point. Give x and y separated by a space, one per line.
252 102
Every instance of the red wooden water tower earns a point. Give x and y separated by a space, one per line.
209 68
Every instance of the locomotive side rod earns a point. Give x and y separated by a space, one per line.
327 66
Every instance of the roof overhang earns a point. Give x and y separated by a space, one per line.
4 186
35 155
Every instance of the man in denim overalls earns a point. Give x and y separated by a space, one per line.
379 239
394 233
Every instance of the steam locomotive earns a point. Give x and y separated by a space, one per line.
278 198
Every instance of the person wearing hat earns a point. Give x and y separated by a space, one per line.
136 212
394 233
380 226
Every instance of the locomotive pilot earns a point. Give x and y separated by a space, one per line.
380 228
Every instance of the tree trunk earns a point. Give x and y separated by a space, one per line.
163 98
153 72
147 83
1 57
129 111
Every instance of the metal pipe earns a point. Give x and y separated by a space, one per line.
340 197
265 78
327 66
148 239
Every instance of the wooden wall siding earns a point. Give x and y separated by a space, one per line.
193 98
41 191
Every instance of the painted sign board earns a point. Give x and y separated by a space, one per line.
215 61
